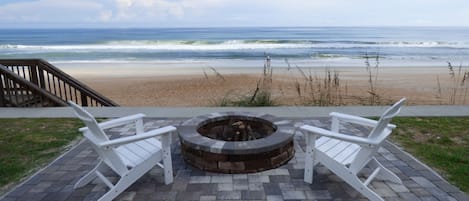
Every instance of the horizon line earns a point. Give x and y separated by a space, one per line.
215 27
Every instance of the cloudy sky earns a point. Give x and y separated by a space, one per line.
218 13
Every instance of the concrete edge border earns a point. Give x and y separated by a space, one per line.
282 111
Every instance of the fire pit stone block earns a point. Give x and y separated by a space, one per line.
274 149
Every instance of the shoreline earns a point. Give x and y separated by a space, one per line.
143 69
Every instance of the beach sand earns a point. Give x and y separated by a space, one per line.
148 85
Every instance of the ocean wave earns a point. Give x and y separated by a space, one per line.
184 45
213 45
392 44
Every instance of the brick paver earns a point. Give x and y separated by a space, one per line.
55 183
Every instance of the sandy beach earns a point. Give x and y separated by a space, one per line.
146 84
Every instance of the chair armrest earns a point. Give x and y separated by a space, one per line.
340 136
116 122
139 137
357 120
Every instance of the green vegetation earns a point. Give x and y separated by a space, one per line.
459 86
320 91
312 89
27 144
439 142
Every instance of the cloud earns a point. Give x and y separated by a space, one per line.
105 16
102 13
124 3
189 13
50 11
159 10
4 2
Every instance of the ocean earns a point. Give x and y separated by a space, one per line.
243 47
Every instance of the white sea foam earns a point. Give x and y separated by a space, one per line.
156 45
179 45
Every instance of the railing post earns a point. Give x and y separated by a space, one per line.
33 74
84 100
2 92
42 83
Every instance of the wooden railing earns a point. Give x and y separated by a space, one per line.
18 92
23 78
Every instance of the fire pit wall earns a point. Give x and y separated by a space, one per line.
271 151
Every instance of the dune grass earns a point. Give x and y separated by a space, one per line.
258 99
261 95
441 143
27 144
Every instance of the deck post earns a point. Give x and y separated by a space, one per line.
42 82
33 75
2 92
84 100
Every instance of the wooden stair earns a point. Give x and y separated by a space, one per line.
37 83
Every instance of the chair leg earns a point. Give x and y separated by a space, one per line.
167 163
115 191
358 185
310 161
384 173
123 183
128 179
89 176
349 177
168 166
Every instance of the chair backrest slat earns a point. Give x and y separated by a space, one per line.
379 132
90 122
96 135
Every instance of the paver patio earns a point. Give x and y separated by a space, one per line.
56 181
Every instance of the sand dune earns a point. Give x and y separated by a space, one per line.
146 85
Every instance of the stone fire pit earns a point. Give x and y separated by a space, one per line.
236 142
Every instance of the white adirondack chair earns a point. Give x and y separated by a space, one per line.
129 157
346 155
